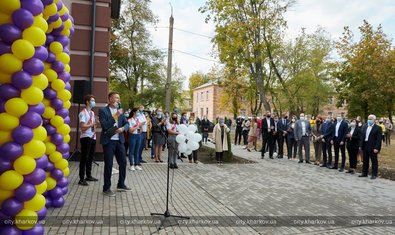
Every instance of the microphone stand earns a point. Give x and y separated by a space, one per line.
167 213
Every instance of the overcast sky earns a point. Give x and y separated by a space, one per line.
192 49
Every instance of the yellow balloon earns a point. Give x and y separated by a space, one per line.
50 148
5 78
56 47
22 49
34 148
9 6
62 164
66 138
36 203
67 68
24 165
57 121
58 84
26 219
55 157
8 122
39 133
66 172
51 183
5 194
67 104
9 63
48 113
64 95
40 81
46 102
35 35
68 24
5 18
41 188
63 57
50 10
62 10
10 180
47 65
5 136
32 95
51 74
57 23
16 107
63 129
41 23
65 32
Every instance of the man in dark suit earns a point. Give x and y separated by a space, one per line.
371 145
328 131
267 130
239 130
113 123
282 127
339 142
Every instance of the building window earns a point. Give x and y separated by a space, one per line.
207 95
243 112
207 112
201 96
201 112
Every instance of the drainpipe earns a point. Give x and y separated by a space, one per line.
92 53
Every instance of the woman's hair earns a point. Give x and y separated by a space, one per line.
171 119
132 112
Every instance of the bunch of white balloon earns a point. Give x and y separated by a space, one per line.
188 140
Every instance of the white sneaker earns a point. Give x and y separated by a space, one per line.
138 168
131 168
114 171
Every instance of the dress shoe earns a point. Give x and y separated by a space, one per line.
323 165
300 161
373 177
171 166
83 183
271 157
308 162
350 171
142 161
175 166
334 168
341 169
91 179
363 175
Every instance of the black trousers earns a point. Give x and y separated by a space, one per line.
219 156
352 149
238 135
114 147
267 140
292 145
245 137
193 155
342 149
369 154
87 153
281 139
327 152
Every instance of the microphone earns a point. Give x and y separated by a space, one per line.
119 105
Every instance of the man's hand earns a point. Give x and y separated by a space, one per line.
119 113
375 151
341 143
323 140
331 141
119 130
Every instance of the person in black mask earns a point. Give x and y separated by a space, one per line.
267 129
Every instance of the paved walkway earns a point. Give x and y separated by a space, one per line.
278 190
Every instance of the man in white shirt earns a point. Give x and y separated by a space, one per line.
302 136
143 131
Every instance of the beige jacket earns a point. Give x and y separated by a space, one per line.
219 145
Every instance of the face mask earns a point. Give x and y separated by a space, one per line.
301 118
339 119
293 119
370 122
221 121
174 118
268 116
159 113
328 120
353 124
141 110
285 117
318 121
92 104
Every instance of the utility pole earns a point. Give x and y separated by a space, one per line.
169 63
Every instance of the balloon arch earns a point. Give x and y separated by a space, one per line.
34 111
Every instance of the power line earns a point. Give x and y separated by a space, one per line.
190 54
183 30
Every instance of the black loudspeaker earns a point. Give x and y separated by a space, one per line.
81 89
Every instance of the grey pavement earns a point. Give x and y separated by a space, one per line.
275 189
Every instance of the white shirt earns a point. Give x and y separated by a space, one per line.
268 124
132 123
368 130
142 118
113 112
173 127
352 130
303 124
87 117
337 128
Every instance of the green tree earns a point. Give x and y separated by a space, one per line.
195 80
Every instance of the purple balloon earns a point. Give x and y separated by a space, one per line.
63 112
42 213
33 66
21 80
45 122
66 50
67 86
8 91
42 162
4 48
58 202
48 202
58 66
50 129
59 5
54 17
31 119
65 190
34 6
56 193
51 57
50 39
2 108
71 31
11 151
22 18
9 33
63 40
67 120
65 17
50 166
47 2
66 155
25 192
11 206
22 134
63 148
63 182
65 76
39 108
41 53
56 104
49 93
57 174
57 139
38 229
5 165
10 230
36 177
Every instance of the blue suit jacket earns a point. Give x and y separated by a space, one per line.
343 129
107 121
328 131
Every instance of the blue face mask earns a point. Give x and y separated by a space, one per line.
370 122
159 113
92 104
221 121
